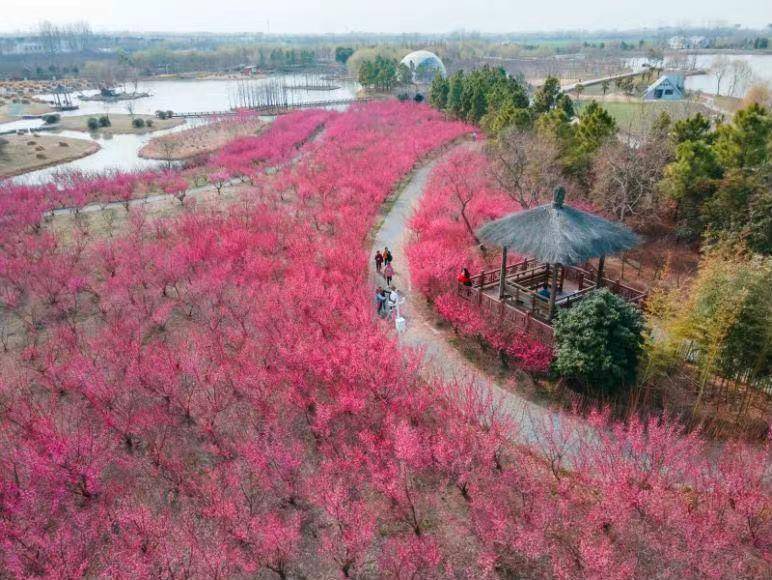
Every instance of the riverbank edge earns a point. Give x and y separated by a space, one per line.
94 147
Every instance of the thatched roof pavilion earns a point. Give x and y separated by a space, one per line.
558 234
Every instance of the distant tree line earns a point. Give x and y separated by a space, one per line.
75 37
223 57
501 105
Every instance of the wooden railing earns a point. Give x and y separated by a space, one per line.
492 277
630 294
581 277
508 314
522 308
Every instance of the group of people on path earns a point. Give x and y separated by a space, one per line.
387 298
387 301
383 264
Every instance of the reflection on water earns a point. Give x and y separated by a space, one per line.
120 151
760 64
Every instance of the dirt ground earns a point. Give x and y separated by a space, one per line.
120 124
199 140
23 153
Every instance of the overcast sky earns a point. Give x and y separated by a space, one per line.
316 16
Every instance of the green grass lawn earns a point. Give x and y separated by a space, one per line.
636 117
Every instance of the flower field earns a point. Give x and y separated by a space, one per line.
211 395
459 199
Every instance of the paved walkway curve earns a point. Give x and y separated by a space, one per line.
441 359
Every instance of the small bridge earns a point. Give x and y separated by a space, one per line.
272 109
620 76
601 80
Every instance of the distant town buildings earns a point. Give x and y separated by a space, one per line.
21 46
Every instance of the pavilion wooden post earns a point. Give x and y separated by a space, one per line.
503 276
599 279
553 289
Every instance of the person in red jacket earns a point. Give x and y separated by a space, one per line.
464 277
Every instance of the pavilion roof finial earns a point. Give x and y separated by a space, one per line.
560 196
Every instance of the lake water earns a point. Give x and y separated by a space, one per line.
120 151
116 152
760 65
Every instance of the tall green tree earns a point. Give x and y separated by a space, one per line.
506 116
728 312
404 74
455 92
479 104
380 73
746 142
546 97
342 54
438 93
594 128
690 180
721 180
694 128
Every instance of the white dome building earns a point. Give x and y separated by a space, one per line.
424 65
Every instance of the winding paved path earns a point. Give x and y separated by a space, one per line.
441 359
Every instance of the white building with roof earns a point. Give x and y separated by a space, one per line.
668 87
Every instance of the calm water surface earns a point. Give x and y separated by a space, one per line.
120 151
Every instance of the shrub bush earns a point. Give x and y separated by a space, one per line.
138 123
104 121
598 341
149 123
92 123
51 119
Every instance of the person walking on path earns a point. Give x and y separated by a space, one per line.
387 257
389 305
388 273
392 303
378 261
380 299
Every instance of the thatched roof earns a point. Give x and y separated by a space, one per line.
558 233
